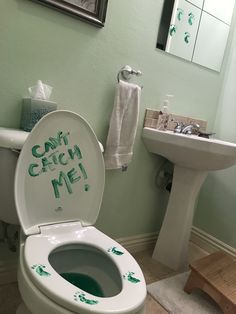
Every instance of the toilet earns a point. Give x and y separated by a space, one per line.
66 265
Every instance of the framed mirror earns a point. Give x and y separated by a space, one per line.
196 30
92 11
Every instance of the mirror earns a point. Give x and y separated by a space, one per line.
196 30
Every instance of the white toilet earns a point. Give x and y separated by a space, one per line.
67 265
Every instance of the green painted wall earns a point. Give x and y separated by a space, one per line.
81 62
216 212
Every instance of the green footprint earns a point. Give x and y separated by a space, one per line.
115 251
180 14
191 18
186 37
40 270
129 276
173 29
78 296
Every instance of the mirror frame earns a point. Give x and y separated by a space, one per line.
96 18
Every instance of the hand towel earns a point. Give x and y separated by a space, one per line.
123 126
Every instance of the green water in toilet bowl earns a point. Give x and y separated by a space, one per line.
84 282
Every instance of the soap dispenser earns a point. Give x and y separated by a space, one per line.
164 114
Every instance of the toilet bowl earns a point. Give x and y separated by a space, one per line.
66 265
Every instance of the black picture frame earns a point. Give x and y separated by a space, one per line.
91 11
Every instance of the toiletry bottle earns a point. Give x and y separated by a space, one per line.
164 114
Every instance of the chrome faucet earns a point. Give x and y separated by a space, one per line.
191 129
179 127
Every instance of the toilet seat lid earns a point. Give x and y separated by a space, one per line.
60 173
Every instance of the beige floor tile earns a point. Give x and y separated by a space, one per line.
152 270
153 307
195 252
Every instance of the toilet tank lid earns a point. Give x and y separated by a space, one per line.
12 138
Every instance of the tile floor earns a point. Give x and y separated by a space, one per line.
153 271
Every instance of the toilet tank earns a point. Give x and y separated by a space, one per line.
11 142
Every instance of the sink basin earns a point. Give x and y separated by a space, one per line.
193 158
190 151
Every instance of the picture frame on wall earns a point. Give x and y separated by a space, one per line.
91 11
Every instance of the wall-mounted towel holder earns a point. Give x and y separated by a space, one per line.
126 73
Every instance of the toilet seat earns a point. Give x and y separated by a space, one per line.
60 173
64 293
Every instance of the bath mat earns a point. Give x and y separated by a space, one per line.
169 293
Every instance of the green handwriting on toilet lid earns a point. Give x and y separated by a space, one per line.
129 276
57 153
40 270
79 296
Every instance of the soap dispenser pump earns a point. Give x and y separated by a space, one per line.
164 114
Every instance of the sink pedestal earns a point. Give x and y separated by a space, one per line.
172 245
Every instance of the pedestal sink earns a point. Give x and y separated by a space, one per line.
193 157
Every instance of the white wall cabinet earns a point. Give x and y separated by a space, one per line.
212 35
221 9
198 3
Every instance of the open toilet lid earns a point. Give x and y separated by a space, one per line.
60 173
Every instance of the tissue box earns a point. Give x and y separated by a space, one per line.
33 110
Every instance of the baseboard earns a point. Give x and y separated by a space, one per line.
137 243
209 243
199 237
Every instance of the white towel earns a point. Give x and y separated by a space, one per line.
123 126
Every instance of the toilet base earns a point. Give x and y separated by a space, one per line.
22 309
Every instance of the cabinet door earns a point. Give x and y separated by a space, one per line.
211 42
183 29
222 9
198 3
